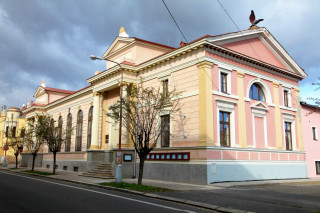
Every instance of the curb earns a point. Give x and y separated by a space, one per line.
150 195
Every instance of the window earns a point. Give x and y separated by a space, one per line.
286 98
14 131
89 127
223 82
79 130
165 88
288 135
23 133
314 133
318 167
7 131
224 128
60 123
165 131
107 139
68 133
256 93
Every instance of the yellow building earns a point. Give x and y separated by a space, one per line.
14 118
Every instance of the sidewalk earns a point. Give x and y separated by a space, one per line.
178 187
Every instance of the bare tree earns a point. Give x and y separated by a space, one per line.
55 137
35 135
15 141
143 118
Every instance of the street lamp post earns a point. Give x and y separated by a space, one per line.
118 159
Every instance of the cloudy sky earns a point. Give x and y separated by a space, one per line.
52 40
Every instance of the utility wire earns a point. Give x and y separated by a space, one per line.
184 37
238 28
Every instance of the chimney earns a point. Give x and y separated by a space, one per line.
31 102
97 72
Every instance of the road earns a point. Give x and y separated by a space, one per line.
298 198
24 193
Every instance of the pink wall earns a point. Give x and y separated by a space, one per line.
310 117
263 53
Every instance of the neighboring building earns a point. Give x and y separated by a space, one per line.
239 105
310 116
12 118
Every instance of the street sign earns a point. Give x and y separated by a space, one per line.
118 158
6 148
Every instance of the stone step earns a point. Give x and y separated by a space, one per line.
106 173
94 176
100 171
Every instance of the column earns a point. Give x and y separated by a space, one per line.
277 114
205 104
241 111
298 120
95 121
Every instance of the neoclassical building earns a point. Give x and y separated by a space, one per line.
240 116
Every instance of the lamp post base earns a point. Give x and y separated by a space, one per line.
119 173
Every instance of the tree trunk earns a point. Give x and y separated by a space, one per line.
34 155
16 161
54 162
141 165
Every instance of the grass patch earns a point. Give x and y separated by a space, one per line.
13 168
135 187
37 172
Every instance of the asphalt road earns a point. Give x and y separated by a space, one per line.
24 193
265 198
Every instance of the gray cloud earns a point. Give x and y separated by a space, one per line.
52 40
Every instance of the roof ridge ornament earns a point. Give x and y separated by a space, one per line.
122 32
253 21
43 84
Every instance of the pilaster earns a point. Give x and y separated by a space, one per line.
205 104
277 114
95 121
298 120
241 111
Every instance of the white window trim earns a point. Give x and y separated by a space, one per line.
161 84
291 119
316 131
261 113
289 96
228 72
227 106
264 87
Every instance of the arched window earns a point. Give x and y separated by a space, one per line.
256 93
68 132
60 123
89 127
79 130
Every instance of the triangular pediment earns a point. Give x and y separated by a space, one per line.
40 91
261 45
259 105
118 44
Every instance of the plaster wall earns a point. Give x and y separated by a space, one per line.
310 117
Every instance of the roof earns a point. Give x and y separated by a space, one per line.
50 89
154 43
14 108
303 103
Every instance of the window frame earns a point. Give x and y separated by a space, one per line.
89 132
68 132
165 128
260 93
227 73
79 128
317 165
223 82
228 123
314 133
287 131
287 97
165 87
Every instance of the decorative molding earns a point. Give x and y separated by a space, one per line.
214 92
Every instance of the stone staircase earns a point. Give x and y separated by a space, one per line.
102 171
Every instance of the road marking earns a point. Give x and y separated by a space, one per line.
103 193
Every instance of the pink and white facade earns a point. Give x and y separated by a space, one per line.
310 116
240 115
